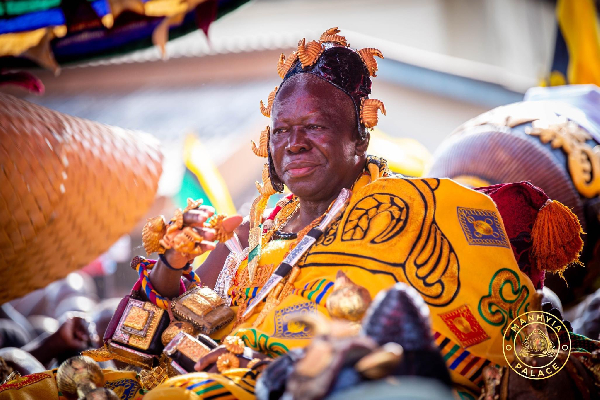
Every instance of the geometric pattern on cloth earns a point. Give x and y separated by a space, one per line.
482 227
291 329
460 360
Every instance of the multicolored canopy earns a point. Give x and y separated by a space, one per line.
54 32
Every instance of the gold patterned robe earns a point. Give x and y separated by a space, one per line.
443 239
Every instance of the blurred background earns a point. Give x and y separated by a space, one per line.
446 61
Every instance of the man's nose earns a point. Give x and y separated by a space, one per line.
298 141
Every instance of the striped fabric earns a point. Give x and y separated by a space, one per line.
316 291
461 360
207 389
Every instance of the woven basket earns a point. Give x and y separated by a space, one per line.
69 188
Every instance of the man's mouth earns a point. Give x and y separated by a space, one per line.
299 169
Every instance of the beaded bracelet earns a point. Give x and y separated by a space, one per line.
142 266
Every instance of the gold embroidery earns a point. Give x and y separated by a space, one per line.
143 342
583 160
192 350
201 301
136 318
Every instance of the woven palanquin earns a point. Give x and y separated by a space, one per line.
69 188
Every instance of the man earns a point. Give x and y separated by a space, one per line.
446 241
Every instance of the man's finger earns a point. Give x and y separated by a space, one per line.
230 223
207 246
210 358
197 217
207 233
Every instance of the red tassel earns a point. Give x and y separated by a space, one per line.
556 238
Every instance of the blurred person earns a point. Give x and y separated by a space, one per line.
21 361
75 284
43 324
102 314
74 303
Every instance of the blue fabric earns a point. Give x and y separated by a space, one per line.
32 21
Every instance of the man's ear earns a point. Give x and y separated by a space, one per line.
362 144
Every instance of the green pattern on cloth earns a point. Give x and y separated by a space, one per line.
12 7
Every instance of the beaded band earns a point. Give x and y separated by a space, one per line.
142 266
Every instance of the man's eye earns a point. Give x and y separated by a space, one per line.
313 127
277 131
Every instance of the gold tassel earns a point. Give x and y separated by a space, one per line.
284 65
263 145
368 111
309 54
331 35
556 236
368 56
266 111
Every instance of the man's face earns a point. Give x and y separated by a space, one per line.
314 138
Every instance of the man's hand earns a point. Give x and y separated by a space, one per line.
77 333
208 363
196 220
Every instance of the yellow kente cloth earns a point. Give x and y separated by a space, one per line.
43 386
445 240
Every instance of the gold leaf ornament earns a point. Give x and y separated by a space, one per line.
309 53
284 64
368 56
368 111
152 233
331 36
266 111
263 145
266 188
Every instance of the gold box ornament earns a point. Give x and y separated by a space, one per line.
204 309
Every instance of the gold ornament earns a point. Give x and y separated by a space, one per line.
263 145
174 328
185 241
348 300
151 378
583 160
266 111
192 204
368 56
331 35
79 377
368 111
309 54
221 234
227 361
284 65
234 344
152 233
266 188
